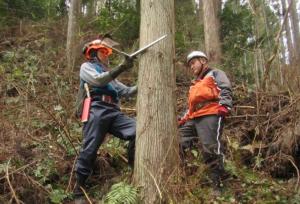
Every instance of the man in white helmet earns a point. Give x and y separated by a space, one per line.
209 102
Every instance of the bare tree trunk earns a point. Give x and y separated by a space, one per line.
296 32
288 34
282 50
200 12
211 31
91 8
71 35
156 143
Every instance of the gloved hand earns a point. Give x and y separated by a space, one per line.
180 121
223 111
127 63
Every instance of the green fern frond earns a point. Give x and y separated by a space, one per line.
122 193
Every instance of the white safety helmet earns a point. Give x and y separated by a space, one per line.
194 54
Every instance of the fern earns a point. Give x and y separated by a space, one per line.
122 193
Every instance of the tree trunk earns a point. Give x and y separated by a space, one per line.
156 157
288 34
200 12
283 59
218 6
71 35
91 8
296 32
211 31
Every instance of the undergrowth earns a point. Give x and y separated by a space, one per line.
41 138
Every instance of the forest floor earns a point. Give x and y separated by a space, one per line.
40 137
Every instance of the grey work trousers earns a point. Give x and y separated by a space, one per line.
104 118
208 129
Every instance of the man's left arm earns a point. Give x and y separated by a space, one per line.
224 85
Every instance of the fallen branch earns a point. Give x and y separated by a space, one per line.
155 182
21 168
37 183
86 195
73 167
59 123
10 186
297 170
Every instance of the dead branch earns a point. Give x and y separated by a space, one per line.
86 195
37 183
73 167
21 168
62 126
291 159
10 186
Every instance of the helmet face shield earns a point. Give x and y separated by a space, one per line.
96 45
194 54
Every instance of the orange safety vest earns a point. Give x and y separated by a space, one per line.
203 98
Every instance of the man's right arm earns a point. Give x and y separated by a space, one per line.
89 74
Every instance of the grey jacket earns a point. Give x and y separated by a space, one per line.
99 80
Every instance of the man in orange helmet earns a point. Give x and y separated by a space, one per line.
209 102
105 115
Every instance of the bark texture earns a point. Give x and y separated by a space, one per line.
156 142
72 31
296 32
211 31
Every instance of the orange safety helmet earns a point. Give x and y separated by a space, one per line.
96 45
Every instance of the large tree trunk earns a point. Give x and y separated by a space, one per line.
72 31
211 31
156 143
296 32
218 6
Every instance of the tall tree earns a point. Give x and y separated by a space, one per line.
71 35
91 6
296 32
156 142
288 33
200 12
211 31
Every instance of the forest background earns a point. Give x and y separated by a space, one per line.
257 45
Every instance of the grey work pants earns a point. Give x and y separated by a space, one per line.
208 129
104 118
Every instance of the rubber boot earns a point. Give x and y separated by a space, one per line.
216 171
80 183
216 182
130 153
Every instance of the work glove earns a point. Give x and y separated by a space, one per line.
180 121
223 111
127 63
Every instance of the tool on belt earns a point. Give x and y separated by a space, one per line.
86 104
